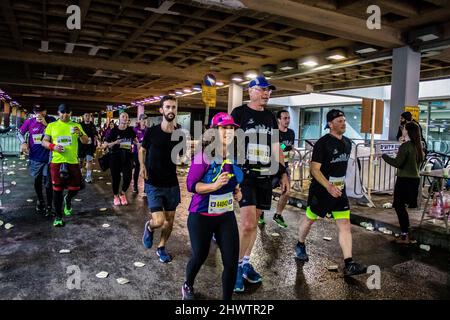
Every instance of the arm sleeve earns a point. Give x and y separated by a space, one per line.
196 172
400 160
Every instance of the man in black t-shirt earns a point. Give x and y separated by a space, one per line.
327 191
258 124
160 175
87 151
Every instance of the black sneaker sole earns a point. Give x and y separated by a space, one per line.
355 273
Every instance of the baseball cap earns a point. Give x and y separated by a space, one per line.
333 114
262 82
142 117
39 107
223 119
64 108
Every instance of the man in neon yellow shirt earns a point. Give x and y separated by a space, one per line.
61 137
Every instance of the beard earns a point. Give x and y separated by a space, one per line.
167 117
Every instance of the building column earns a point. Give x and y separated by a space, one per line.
235 96
405 85
140 110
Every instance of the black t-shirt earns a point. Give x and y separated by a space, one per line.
161 170
333 155
287 140
126 136
255 123
91 132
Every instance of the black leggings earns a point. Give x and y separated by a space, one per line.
137 168
120 164
201 229
48 189
59 199
406 191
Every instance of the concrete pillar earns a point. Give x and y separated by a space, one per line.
405 85
235 96
140 110
294 113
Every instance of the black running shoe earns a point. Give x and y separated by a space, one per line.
187 293
40 208
353 269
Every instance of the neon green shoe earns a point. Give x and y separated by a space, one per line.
261 220
58 222
67 210
278 218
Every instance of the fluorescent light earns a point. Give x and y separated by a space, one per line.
309 62
187 90
236 77
366 50
336 54
197 87
268 69
287 65
179 91
250 74
219 83
428 37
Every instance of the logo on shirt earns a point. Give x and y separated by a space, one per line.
342 158
35 129
335 151
251 121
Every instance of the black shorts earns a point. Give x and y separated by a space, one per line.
86 150
322 203
277 179
256 192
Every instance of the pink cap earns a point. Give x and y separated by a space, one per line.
223 119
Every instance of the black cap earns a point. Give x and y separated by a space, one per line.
142 117
333 114
407 116
64 108
39 108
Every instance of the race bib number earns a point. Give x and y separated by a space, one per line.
125 145
258 153
338 182
37 138
64 141
219 204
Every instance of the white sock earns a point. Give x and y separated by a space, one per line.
246 260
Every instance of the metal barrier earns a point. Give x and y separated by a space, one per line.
9 143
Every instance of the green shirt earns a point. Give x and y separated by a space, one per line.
60 134
406 161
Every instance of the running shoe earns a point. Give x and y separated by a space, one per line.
116 201
147 238
123 199
164 257
239 286
261 220
278 218
187 293
49 212
250 274
135 189
58 222
353 269
40 207
300 253
67 210
88 179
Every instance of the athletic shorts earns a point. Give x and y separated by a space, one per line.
276 179
86 151
321 203
38 168
73 182
256 192
162 199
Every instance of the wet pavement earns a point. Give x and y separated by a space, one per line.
31 266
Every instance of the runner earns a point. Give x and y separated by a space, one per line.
214 181
119 142
258 123
87 151
61 137
160 175
39 156
140 129
327 191
287 139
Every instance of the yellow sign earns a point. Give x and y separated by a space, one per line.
415 110
209 96
109 114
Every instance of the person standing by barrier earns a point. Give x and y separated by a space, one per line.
408 160
39 156
140 129
86 152
61 137
119 142
327 191
406 117
214 180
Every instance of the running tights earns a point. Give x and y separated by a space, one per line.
39 191
120 167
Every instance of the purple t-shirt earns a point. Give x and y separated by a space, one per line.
140 133
36 133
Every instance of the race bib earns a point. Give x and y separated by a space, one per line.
338 182
89 140
221 203
64 140
37 138
125 145
258 153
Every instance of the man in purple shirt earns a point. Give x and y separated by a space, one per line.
39 156
140 129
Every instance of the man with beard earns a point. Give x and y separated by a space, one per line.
405 118
327 191
160 175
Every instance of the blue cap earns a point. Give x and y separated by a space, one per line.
262 82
